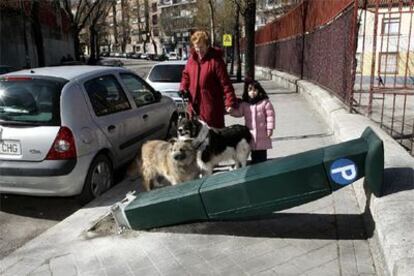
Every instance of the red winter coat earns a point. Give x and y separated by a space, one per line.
209 86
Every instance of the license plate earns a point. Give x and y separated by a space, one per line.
10 147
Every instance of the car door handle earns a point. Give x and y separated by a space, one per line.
145 116
111 128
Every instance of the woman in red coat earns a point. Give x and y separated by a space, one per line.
205 78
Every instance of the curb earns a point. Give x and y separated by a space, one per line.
391 216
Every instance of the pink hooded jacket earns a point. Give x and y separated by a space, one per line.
259 118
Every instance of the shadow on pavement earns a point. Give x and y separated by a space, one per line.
398 180
283 225
52 208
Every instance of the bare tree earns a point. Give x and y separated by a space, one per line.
236 39
97 15
148 35
138 15
79 11
114 23
212 21
125 27
248 11
146 27
202 17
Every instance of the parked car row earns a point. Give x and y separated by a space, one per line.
148 56
65 129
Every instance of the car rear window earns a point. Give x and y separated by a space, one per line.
166 73
30 101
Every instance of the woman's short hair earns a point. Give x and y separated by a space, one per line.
200 37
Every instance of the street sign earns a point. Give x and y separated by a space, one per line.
227 40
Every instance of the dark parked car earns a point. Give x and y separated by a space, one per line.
136 55
161 57
110 62
6 69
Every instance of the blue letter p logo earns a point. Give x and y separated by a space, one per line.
343 171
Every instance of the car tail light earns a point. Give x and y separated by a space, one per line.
17 78
63 147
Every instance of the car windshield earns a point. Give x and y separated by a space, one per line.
166 73
30 101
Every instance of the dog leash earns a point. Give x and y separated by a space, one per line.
192 112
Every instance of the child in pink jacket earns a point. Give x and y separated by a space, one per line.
259 117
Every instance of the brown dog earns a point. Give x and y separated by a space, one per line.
174 160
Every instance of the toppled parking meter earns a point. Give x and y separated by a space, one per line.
261 188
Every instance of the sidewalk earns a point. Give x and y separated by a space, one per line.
324 237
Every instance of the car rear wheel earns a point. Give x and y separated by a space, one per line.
98 180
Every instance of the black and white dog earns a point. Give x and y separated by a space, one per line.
216 145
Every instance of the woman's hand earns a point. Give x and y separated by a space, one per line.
229 109
269 132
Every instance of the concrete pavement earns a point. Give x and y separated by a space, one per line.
390 217
324 237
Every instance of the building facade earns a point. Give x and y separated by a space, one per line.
177 24
269 10
34 34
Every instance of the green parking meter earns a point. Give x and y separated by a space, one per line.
259 189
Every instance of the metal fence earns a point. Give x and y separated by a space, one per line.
384 73
360 50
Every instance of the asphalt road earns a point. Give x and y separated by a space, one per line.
22 218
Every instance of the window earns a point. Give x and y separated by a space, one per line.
35 101
154 19
390 26
140 91
167 73
106 95
389 62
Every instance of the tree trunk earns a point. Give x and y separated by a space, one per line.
155 46
37 34
212 23
147 27
236 41
115 24
124 32
237 45
92 45
249 22
98 51
76 41
139 21
304 15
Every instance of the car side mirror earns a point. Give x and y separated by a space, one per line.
157 95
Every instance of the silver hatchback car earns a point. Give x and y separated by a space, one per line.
166 77
64 130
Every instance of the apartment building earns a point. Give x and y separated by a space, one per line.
176 24
269 10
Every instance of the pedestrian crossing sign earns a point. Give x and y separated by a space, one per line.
227 40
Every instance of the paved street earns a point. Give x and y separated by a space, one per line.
324 237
